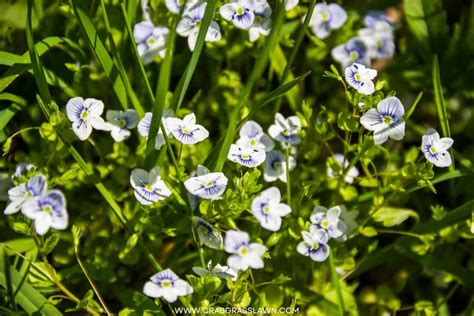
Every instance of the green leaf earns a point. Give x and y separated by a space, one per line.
368 231
392 216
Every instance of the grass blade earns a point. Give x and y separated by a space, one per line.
413 106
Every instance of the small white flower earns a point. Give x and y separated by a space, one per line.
354 51
343 163
222 272
208 186
244 254
18 195
275 166
314 245
151 40
285 130
244 154
207 234
436 148
360 78
379 40
186 130
240 13
328 220
47 211
190 24
326 18
167 285
85 115
120 123
145 124
290 4
268 210
22 169
258 139
149 188
385 121
262 23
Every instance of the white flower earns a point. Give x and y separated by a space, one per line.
190 24
290 4
385 121
436 148
240 13
120 123
268 210
85 115
246 155
275 166
207 234
343 163
18 195
354 51
244 254
379 40
151 40
314 245
47 211
326 18
167 285
186 130
148 187
22 169
208 186
360 78
145 124
221 272
258 139
285 130
262 23
328 220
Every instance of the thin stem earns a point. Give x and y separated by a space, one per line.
288 184
337 285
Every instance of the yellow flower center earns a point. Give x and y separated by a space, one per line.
244 250
151 41
325 16
209 184
354 55
28 194
253 142
47 208
121 123
357 77
84 114
148 187
387 120
245 156
315 246
286 132
325 224
186 131
266 209
198 23
433 150
166 283
240 11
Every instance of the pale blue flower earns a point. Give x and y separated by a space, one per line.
245 154
222 272
343 163
328 220
262 23
244 254
167 285
314 245
151 40
379 40
18 195
148 187
208 186
47 211
326 18
275 166
285 130
375 16
385 121
22 169
435 148
354 51
207 234
268 210
257 138
190 24
360 78
186 130
240 13
145 124
85 115
120 123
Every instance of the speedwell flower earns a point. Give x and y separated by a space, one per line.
22 169
244 254
375 16
167 285
436 148
285 130
240 13
326 18
385 121
208 186
85 115
151 40
246 155
207 234
262 23
354 51
258 139
343 163
190 24
360 78
47 211
328 220
275 166
379 40
148 187
145 124
186 130
268 210
290 4
222 272
314 245
18 195
120 123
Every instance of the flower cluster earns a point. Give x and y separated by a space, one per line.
47 208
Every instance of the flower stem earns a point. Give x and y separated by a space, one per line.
287 169
337 285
